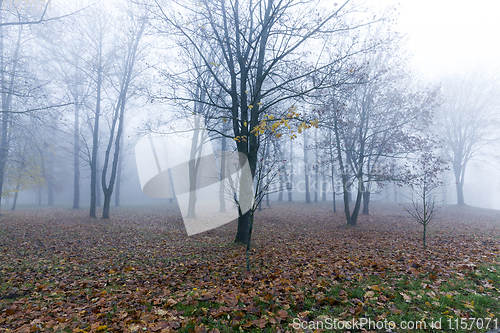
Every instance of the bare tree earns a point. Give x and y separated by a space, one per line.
22 90
8 75
37 14
364 135
65 57
423 180
468 119
252 51
133 37
95 32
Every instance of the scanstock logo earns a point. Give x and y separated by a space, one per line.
179 161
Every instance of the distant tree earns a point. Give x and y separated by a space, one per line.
9 74
331 158
127 63
364 135
37 14
98 64
23 90
468 119
96 32
64 53
24 169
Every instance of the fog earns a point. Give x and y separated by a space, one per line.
128 69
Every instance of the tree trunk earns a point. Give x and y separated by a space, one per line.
95 138
98 188
347 210
119 171
4 150
107 204
14 204
119 118
118 181
459 171
460 194
334 199
50 194
344 176
193 169
366 202
222 162
316 167
76 158
244 220
39 196
306 170
49 178
349 189
425 231
247 252
332 167
286 183
6 92
323 182
243 233
334 194
355 212
351 218
290 185
280 191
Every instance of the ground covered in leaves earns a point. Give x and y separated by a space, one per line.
139 272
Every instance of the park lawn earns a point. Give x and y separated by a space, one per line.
139 272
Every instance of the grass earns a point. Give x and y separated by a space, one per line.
447 304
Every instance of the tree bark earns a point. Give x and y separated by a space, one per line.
243 232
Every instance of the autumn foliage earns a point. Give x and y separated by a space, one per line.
138 271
